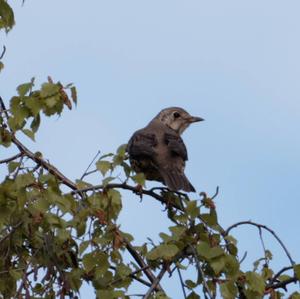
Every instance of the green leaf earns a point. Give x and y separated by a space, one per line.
228 290
255 282
177 231
12 166
5 137
139 178
297 271
16 274
52 101
190 284
193 295
34 104
295 295
163 251
89 261
29 134
218 264
35 124
24 180
23 89
7 19
49 90
208 252
103 166
192 210
284 277
232 266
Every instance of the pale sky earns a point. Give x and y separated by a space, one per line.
234 63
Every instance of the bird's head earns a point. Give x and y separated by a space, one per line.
177 118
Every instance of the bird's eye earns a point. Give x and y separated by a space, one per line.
176 114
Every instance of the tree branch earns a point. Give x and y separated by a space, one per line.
142 264
200 271
182 283
260 226
11 158
282 284
155 283
3 52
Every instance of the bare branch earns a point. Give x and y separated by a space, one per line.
263 245
155 283
11 158
281 271
216 194
142 264
182 283
86 171
3 52
260 226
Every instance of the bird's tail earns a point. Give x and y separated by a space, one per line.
176 181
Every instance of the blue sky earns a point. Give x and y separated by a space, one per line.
234 63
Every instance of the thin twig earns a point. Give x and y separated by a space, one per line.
263 245
243 257
205 285
142 264
93 160
216 193
3 52
11 158
155 283
266 228
181 282
281 271
282 284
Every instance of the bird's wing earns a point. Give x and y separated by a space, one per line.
141 144
176 146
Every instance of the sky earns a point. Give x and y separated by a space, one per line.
234 63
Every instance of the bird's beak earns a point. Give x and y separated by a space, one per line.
194 119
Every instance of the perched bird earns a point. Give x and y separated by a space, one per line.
158 150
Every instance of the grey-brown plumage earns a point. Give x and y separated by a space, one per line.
158 150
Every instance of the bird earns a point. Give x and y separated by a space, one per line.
158 150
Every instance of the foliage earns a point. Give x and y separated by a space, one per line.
56 234
53 239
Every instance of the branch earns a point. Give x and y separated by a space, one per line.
11 158
281 271
3 52
131 188
133 276
155 283
200 271
86 171
142 264
182 283
260 226
40 161
282 284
